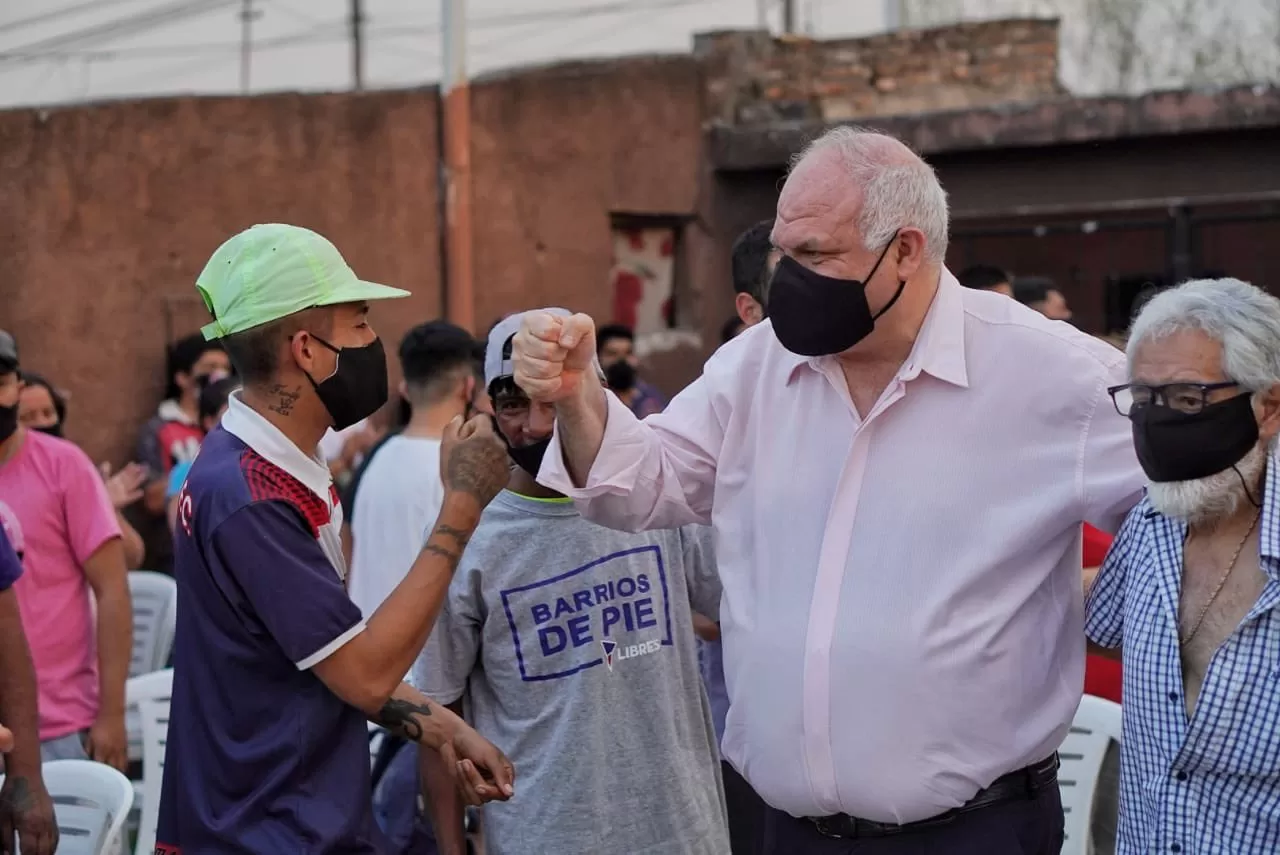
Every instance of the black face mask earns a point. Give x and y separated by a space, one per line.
52 430
1174 446
357 387
527 457
8 422
816 315
621 376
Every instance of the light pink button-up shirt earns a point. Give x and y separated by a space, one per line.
902 614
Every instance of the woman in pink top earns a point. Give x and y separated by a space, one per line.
55 511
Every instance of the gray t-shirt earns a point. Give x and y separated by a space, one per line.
574 646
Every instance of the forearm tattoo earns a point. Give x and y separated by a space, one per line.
397 716
457 535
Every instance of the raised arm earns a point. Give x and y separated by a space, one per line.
624 473
370 667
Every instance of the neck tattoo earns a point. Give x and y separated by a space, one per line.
283 398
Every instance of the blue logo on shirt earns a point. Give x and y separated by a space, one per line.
576 620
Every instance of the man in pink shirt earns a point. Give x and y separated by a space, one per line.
56 512
897 469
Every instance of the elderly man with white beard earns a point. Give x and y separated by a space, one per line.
1190 589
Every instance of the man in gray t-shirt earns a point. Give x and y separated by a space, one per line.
573 646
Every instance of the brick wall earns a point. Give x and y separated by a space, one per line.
753 78
109 211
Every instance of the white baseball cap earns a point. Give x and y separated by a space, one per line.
497 350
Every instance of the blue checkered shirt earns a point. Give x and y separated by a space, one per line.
1210 785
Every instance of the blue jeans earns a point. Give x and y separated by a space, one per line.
69 747
395 801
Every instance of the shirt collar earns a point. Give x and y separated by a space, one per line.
1269 536
171 411
276 448
938 349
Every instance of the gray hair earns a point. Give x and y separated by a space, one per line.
899 190
1244 318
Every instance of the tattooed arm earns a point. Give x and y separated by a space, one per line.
479 771
369 668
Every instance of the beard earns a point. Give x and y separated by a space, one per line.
1213 498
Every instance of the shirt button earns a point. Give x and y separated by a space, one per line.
1181 776
1173 696
1175 847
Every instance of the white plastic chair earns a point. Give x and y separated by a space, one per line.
157 686
154 713
90 801
1096 724
155 615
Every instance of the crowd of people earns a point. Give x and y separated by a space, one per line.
833 597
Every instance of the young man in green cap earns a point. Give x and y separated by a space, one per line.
275 670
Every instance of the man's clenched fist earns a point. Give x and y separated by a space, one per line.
551 354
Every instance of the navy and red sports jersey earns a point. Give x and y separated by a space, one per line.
261 755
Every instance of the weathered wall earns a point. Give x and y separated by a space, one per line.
108 213
754 78
555 151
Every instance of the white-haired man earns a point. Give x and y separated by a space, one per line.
1191 587
897 469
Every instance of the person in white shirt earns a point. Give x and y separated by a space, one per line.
400 489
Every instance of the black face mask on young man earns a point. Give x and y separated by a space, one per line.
527 457
816 315
357 387
1176 446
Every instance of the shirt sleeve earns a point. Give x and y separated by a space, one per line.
293 589
700 570
1104 607
91 519
10 566
446 662
1111 478
149 449
651 474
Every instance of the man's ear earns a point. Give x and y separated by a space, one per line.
1267 405
749 310
911 252
403 390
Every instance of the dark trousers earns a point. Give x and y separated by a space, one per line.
747 812
1024 827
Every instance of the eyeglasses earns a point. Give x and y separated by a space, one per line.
1188 398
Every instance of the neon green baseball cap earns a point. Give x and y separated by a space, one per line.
271 271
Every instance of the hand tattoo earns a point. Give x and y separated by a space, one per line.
397 716
285 398
478 466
